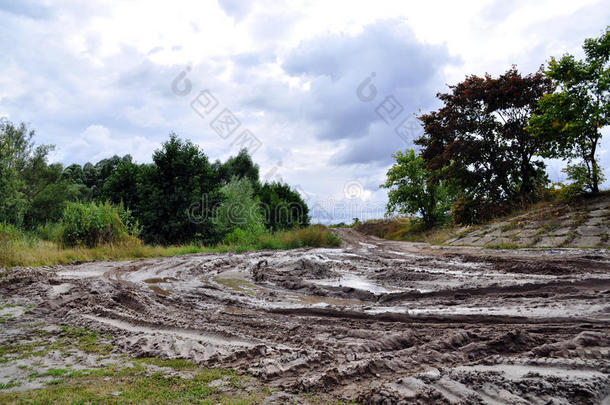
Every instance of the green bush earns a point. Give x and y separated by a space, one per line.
238 216
93 224
51 231
311 236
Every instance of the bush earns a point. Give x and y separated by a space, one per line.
239 216
51 231
469 211
247 237
311 236
93 224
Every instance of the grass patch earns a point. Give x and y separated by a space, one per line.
69 338
85 340
176 364
511 226
10 384
407 229
20 251
52 372
111 385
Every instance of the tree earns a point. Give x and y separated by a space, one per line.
46 191
412 192
121 185
15 144
240 166
239 209
180 178
284 208
570 120
478 141
31 190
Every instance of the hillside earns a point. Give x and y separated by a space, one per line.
549 225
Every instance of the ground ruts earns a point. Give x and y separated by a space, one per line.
375 321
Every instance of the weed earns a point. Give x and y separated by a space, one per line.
10 384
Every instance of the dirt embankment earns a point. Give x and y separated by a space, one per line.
377 321
583 224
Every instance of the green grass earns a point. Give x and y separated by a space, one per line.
141 380
120 385
176 364
44 342
407 229
17 249
10 384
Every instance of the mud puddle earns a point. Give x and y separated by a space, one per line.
354 281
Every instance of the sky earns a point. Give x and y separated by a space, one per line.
320 92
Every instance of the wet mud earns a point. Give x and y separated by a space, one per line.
375 321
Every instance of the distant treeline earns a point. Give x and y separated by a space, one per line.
181 197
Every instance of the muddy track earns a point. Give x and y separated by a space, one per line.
374 320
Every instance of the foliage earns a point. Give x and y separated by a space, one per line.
179 179
311 236
239 213
409 229
172 198
92 224
283 207
570 120
411 190
240 166
580 181
121 185
478 143
15 147
18 248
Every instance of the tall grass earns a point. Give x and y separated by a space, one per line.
311 236
407 229
18 248
94 224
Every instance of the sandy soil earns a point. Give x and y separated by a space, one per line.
376 321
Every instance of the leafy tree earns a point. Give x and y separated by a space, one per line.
46 192
122 184
240 166
478 142
31 190
15 145
94 176
570 120
412 192
283 207
239 209
180 177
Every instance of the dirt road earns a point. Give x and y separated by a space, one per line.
374 320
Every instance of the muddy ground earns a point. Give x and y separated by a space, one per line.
375 321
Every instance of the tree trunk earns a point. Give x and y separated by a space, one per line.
594 168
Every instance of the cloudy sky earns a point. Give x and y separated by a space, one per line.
323 92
